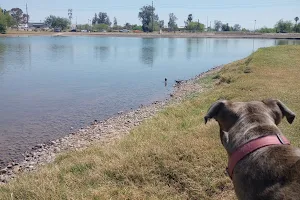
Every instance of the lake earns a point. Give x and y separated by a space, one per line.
51 86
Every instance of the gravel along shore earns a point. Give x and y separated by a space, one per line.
99 131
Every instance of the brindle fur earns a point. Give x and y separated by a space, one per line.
271 172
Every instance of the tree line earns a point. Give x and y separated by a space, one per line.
13 17
283 27
149 19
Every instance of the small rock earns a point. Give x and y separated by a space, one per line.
178 82
16 169
3 179
3 171
56 150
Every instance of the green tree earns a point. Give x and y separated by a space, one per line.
5 20
2 27
296 25
100 27
284 26
57 22
84 27
155 27
136 27
237 27
266 30
296 20
195 26
103 19
17 15
115 22
25 19
172 22
225 27
189 20
9 20
95 19
218 25
128 26
2 22
161 24
146 15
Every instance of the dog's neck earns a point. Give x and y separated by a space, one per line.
248 129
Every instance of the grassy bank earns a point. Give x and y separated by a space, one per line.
173 155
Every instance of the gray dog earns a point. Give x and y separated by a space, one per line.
262 164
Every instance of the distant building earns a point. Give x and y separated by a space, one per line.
37 25
23 26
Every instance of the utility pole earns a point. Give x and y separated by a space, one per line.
254 25
198 25
27 17
207 24
152 17
210 26
26 14
70 14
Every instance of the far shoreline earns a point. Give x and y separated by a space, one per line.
224 35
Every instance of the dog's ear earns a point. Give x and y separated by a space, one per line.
274 104
214 110
290 115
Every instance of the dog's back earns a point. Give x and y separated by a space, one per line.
267 172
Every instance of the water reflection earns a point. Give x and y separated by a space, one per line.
101 52
188 48
172 47
286 42
148 51
193 46
57 51
21 54
220 46
2 52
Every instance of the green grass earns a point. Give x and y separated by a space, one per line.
173 155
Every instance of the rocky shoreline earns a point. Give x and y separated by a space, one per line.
102 131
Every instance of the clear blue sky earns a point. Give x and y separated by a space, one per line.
266 12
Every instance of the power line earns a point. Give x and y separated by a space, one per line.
190 6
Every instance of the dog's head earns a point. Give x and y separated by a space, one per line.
227 114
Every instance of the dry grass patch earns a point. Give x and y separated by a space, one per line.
173 155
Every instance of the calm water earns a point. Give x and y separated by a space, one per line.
50 84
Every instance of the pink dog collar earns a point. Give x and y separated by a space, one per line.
252 146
